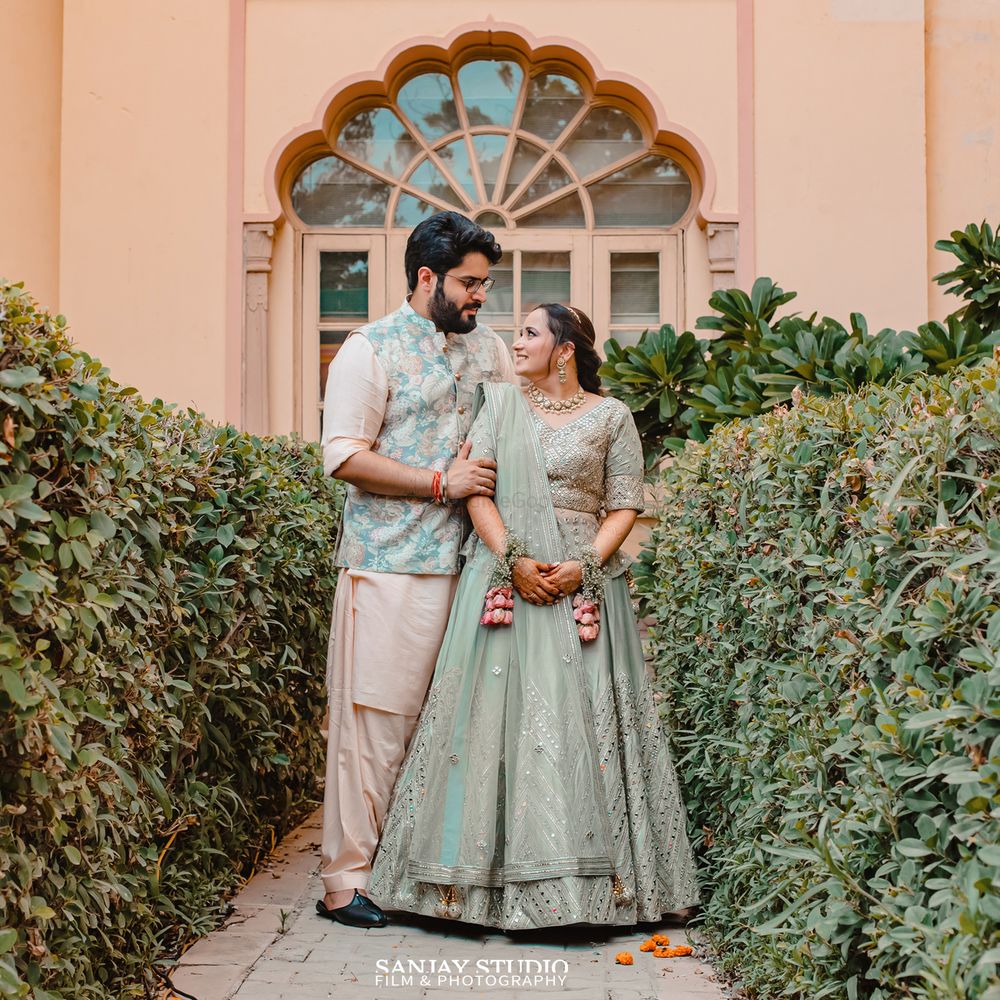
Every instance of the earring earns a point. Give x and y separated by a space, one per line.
561 365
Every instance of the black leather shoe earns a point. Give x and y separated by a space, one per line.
359 912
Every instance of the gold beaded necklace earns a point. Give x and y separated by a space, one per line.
555 405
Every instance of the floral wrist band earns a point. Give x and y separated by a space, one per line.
499 605
594 573
586 603
514 549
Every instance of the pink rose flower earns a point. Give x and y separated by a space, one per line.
498 616
508 617
587 618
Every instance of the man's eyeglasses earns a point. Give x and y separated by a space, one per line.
472 285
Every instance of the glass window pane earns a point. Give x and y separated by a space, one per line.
429 103
330 342
489 91
491 220
343 286
552 178
551 102
525 157
489 151
604 136
628 338
544 278
428 178
456 157
410 211
653 192
566 212
499 306
331 192
378 137
635 289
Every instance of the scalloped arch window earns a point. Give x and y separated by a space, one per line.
503 146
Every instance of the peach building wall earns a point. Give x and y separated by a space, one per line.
963 125
145 128
31 69
840 164
143 201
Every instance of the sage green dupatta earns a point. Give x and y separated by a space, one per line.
506 779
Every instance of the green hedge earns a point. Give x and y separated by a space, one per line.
166 587
827 602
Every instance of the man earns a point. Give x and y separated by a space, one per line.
397 410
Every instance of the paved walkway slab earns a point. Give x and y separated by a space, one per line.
275 947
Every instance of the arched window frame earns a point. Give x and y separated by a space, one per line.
592 98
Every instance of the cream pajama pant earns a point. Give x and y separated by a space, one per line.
386 631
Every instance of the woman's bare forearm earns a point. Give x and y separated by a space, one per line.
488 524
385 476
613 532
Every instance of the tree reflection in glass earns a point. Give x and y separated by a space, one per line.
428 101
410 211
428 178
525 157
330 192
455 157
490 90
378 137
552 102
566 213
489 152
604 136
552 178
653 192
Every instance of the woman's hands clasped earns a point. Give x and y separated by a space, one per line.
567 576
528 576
545 583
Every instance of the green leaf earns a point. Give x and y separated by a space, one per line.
87 391
14 686
40 909
102 524
30 511
30 581
10 983
82 554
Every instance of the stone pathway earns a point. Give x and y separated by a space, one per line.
274 947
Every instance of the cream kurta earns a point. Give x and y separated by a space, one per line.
384 640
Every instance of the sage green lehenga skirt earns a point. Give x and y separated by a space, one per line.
537 782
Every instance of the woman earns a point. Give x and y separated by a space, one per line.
538 789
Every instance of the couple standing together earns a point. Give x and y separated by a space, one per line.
533 786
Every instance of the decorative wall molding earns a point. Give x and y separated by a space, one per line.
723 253
258 244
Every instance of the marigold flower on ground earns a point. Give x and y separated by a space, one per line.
649 945
660 940
624 958
678 951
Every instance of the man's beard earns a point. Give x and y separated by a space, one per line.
447 316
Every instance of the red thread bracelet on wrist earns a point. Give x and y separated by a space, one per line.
436 488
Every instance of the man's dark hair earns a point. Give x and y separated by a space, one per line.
442 241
